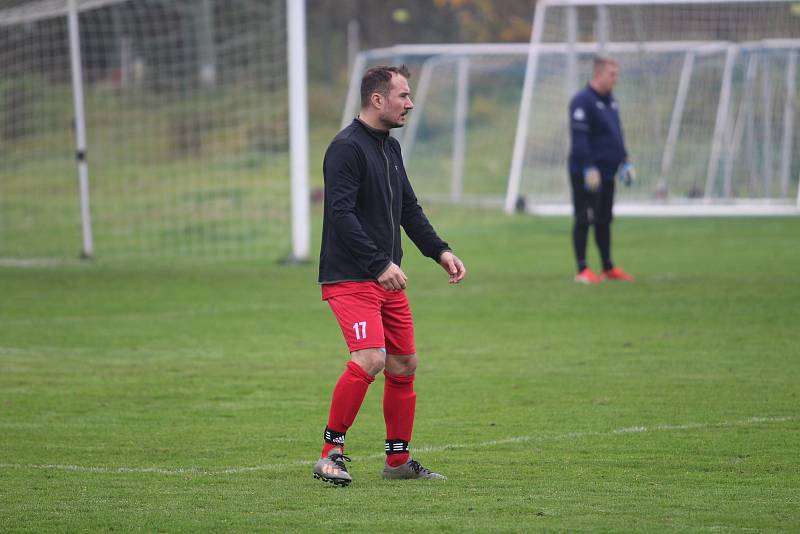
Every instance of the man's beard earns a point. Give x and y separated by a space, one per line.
398 124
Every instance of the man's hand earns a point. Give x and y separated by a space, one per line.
454 266
591 179
393 278
627 174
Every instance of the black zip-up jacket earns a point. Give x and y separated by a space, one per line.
367 199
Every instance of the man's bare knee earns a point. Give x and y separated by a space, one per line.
405 365
371 360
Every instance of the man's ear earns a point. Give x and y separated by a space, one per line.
377 100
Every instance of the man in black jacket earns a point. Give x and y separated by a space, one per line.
368 197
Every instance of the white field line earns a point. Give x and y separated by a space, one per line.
35 262
165 314
440 448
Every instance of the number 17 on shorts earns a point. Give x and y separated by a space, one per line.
360 329
361 324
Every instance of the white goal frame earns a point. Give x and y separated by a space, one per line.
702 207
298 109
438 55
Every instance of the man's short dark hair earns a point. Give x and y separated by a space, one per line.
378 80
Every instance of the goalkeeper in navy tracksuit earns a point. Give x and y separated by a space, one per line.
597 156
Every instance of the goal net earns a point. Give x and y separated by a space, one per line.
186 123
708 96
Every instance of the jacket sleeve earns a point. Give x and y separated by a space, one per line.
417 226
343 171
579 127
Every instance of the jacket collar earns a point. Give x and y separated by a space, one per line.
605 98
380 135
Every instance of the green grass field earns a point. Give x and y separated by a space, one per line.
192 397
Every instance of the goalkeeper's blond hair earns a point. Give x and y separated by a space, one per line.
601 62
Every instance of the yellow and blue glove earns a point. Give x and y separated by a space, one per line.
591 179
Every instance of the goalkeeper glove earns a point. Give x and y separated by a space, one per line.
626 174
591 179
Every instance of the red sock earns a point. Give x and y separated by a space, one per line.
347 398
399 403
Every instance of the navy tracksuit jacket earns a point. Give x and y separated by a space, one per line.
596 133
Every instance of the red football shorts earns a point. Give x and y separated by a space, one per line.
372 317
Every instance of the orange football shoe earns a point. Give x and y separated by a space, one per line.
615 273
587 276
